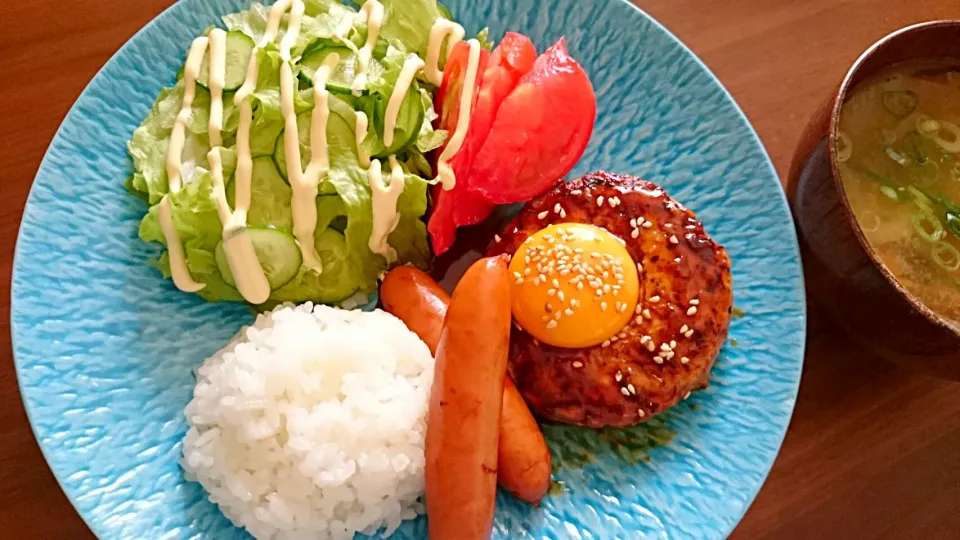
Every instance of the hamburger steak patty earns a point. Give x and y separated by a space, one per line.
682 317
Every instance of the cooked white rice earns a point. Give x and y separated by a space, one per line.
311 424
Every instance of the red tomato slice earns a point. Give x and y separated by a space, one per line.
457 207
511 60
539 133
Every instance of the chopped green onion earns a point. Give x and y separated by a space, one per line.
896 156
927 226
844 147
927 172
889 193
920 198
946 256
900 102
869 221
953 144
913 145
953 223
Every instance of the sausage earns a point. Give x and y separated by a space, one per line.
416 299
463 425
523 457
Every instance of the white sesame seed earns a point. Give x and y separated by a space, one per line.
526 271
651 346
633 222
695 302
600 200
613 202
574 302
606 288
639 267
640 413
692 310
673 344
635 233
684 359
683 329
577 364
563 214
603 306
646 313
655 298
670 355
639 319
673 239
560 295
580 286
568 312
496 238
517 275
624 391
551 325
647 224
576 192
551 292
555 282
631 389
618 376
519 281
665 347
557 208
658 360
688 333
638 309
543 278
686 396
614 338
622 308
605 343
542 215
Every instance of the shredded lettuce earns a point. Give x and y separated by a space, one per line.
344 207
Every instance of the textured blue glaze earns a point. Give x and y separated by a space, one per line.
104 347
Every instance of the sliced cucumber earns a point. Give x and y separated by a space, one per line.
335 283
339 136
269 197
341 79
277 251
239 48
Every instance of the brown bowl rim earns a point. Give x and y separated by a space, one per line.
845 87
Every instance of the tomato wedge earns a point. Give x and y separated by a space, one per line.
499 73
539 133
457 207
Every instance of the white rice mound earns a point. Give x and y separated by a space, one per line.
311 424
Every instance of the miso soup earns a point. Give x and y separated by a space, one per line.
899 151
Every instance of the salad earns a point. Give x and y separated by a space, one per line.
297 154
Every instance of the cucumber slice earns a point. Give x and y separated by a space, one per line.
269 197
409 119
339 137
337 281
239 48
277 251
341 79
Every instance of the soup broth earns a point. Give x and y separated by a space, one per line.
899 152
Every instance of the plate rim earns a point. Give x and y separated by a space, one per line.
799 285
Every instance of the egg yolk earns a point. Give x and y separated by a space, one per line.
575 285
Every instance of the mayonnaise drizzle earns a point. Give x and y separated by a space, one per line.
244 265
385 216
445 174
411 66
304 184
178 136
373 10
178 261
438 32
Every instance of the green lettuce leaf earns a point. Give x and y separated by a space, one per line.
429 138
407 23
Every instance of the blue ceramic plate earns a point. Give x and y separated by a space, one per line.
104 347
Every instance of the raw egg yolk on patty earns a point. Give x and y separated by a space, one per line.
575 285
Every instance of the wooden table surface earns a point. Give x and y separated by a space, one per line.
872 451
